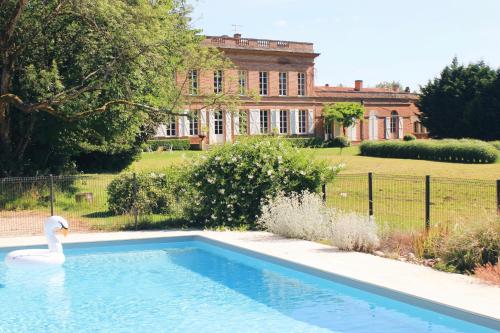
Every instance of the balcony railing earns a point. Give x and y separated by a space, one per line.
250 43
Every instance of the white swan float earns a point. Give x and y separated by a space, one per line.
52 256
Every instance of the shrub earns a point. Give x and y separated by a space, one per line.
174 144
234 181
312 142
460 151
495 144
353 232
153 193
409 137
474 246
296 216
305 216
489 273
338 142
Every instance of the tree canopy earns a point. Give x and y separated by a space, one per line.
90 78
463 102
345 113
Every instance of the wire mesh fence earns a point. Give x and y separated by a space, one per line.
412 203
83 199
406 203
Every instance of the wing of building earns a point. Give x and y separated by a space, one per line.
282 74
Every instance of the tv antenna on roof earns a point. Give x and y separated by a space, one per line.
236 28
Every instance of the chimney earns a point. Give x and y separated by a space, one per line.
327 85
237 36
358 85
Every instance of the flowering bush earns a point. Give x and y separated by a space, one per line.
297 216
234 181
150 194
305 216
353 232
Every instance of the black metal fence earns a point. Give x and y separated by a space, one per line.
398 202
83 199
413 202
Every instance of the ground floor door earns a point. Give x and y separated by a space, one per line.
217 128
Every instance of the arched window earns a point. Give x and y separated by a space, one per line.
394 122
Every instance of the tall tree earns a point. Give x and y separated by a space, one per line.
344 113
90 77
463 102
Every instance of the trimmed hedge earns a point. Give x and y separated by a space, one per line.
297 142
449 150
174 144
338 142
409 137
495 144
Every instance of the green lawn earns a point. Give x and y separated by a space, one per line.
154 162
398 201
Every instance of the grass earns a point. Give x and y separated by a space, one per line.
154 162
398 201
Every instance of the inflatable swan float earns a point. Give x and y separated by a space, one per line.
47 257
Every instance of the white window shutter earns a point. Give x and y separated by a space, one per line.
294 121
236 117
375 128
254 121
310 130
275 126
352 133
400 127
211 122
370 128
387 127
228 127
203 120
161 131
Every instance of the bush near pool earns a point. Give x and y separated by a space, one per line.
448 150
235 181
176 144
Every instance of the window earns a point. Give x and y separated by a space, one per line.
394 122
219 123
302 122
263 83
283 84
218 79
243 122
419 128
242 80
264 121
193 123
171 126
283 121
301 84
193 82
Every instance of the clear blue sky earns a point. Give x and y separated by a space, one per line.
372 40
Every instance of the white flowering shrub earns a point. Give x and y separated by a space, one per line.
305 216
234 181
296 216
353 232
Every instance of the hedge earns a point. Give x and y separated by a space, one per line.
449 150
338 142
297 142
495 144
174 144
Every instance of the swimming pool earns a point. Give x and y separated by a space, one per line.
191 285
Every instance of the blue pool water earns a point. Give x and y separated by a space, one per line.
193 286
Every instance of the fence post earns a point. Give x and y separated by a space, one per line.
498 196
323 191
370 194
134 199
427 202
51 184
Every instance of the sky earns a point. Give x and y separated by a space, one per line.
374 41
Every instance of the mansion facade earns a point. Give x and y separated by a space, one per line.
281 73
